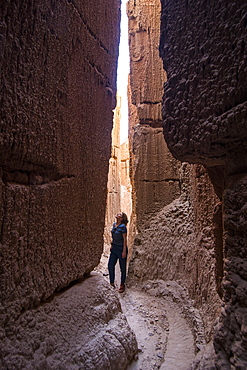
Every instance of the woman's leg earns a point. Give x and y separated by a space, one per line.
111 266
122 264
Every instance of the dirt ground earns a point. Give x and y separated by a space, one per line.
164 338
168 328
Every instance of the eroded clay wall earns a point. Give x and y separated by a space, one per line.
58 71
178 244
203 46
126 188
113 204
203 49
173 202
119 185
154 171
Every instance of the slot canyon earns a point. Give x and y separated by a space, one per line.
181 177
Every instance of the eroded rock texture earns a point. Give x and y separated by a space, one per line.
58 76
118 186
126 188
203 49
146 81
173 202
178 244
153 169
81 328
113 204
58 73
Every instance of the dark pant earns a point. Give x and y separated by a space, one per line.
116 253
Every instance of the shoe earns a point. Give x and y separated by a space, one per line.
112 284
122 288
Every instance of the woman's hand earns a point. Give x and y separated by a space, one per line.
124 254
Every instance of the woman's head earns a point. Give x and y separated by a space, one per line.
123 217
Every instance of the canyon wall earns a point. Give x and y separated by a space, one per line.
113 204
118 186
153 169
53 145
204 118
126 188
58 79
173 202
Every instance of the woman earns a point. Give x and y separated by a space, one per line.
119 249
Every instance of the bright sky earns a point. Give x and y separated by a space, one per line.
123 71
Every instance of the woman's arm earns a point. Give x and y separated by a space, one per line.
124 253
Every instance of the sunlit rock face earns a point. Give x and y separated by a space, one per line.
146 72
153 169
58 89
126 189
118 186
204 119
113 204
173 201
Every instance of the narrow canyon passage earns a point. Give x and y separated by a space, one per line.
156 311
181 177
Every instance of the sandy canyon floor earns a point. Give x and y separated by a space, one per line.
168 328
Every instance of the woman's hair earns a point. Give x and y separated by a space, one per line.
125 218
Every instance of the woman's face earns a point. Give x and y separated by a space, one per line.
119 216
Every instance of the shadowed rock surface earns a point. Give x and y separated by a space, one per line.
58 74
203 46
58 87
80 328
178 245
203 50
173 201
